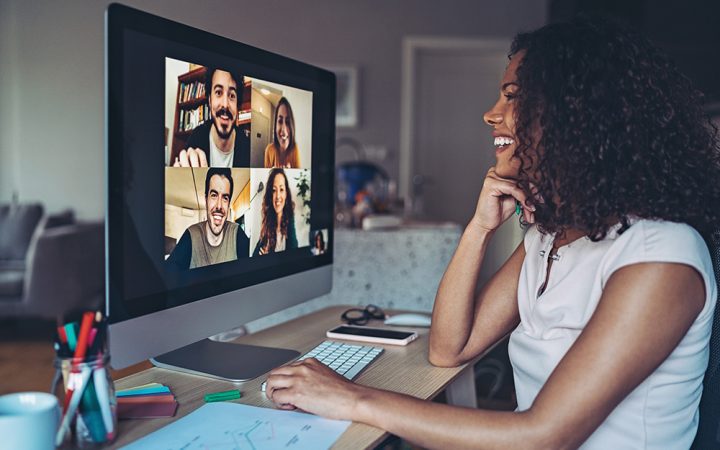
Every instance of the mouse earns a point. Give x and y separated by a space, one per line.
409 320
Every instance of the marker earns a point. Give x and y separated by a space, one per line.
82 339
71 336
76 394
232 394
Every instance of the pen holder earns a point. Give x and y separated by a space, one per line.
94 412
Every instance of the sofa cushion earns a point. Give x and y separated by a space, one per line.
12 264
11 284
18 223
60 219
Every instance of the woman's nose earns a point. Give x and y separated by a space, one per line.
493 117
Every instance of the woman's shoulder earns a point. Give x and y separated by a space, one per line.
648 240
661 236
270 148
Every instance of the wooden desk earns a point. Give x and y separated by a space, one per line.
400 369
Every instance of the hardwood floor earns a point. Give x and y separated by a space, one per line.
26 356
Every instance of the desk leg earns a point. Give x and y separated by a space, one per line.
461 392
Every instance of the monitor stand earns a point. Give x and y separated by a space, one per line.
224 360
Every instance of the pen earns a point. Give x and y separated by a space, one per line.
82 340
77 393
232 394
71 337
90 410
101 389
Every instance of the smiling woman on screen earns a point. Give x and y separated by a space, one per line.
283 151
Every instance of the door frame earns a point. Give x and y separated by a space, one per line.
412 46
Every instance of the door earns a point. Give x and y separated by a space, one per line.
261 136
446 148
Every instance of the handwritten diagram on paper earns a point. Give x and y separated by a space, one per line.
224 425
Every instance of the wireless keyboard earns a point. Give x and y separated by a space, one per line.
346 359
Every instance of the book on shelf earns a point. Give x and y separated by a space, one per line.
191 118
191 91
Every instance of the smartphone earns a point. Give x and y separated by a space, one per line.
369 334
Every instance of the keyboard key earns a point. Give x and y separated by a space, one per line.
347 360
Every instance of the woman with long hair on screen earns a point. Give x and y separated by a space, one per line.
609 299
278 216
283 151
318 244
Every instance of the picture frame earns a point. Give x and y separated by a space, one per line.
347 96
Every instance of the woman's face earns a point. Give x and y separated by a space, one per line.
282 127
502 118
279 194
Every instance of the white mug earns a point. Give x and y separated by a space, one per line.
28 421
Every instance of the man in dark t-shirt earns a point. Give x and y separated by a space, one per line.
218 142
214 240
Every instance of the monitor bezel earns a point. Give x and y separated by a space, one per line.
118 19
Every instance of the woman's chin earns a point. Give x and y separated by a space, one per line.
505 171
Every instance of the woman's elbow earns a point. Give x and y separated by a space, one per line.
443 359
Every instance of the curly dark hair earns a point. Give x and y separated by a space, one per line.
622 132
268 234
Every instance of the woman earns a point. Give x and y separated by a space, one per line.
605 145
318 243
283 151
278 216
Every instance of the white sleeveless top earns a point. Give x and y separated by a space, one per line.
662 412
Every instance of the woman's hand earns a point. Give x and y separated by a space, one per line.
311 386
497 202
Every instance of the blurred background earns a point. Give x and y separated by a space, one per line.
414 78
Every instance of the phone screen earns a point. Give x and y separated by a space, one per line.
372 332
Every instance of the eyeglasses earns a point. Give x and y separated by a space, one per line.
361 316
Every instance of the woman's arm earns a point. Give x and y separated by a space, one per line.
463 325
620 347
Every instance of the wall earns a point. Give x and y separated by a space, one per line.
173 69
51 76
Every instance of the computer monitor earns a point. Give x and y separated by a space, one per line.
220 165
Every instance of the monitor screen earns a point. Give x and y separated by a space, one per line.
220 171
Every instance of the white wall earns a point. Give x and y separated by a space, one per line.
178 219
8 101
51 72
173 69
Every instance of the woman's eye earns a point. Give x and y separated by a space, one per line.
509 96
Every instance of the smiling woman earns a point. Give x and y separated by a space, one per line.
604 144
283 151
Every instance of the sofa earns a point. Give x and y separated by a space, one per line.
49 263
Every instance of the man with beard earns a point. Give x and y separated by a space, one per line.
218 141
216 239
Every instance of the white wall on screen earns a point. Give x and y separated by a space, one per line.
173 69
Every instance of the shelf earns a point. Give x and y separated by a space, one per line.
192 103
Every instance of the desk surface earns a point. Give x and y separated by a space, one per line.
400 369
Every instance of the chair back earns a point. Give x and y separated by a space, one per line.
708 435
